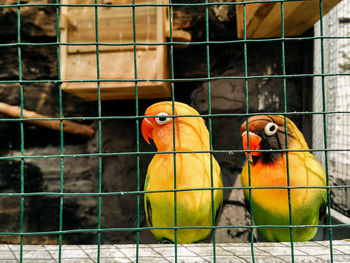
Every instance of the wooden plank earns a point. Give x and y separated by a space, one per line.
113 65
263 20
115 62
251 9
109 91
63 38
115 26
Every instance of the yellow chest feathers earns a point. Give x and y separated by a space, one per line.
304 171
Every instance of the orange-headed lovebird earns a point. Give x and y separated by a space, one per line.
193 170
269 169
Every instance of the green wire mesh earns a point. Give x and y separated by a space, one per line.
139 115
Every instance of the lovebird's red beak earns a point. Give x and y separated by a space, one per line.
254 143
146 130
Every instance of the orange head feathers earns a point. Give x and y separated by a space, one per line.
191 132
267 132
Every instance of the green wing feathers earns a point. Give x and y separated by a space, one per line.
270 206
194 207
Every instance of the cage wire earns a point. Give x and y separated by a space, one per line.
331 119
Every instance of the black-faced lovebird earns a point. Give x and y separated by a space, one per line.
193 171
269 169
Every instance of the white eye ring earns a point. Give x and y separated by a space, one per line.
271 128
162 119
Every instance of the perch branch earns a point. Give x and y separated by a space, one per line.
68 126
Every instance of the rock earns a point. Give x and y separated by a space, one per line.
234 213
221 12
264 94
226 95
36 21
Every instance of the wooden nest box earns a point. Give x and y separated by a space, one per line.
263 20
116 62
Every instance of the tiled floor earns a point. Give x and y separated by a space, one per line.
305 252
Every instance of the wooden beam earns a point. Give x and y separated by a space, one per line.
68 126
263 20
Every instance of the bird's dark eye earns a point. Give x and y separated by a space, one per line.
271 128
162 118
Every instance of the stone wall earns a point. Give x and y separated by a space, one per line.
119 173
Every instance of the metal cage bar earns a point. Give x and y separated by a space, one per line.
23 194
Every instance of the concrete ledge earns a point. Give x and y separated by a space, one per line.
306 252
